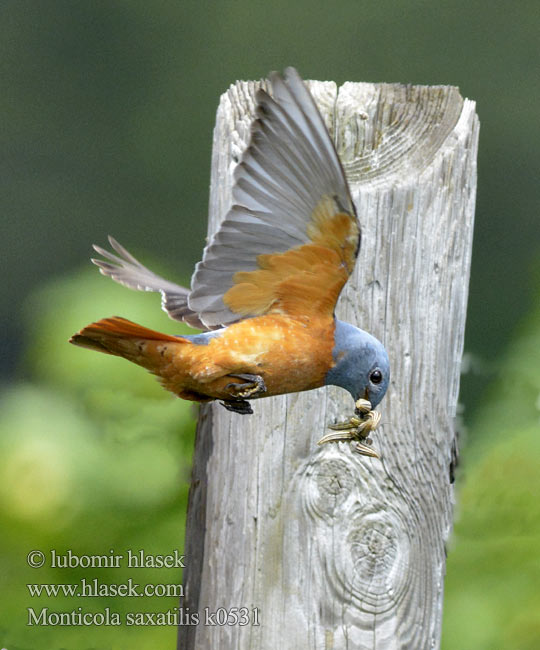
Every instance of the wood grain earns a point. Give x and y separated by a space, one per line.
334 549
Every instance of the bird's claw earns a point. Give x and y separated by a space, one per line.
252 386
240 406
356 429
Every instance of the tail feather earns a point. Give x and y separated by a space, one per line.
87 342
106 334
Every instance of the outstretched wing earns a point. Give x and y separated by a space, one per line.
126 270
289 241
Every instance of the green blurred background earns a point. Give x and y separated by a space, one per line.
107 110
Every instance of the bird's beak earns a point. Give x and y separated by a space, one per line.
356 429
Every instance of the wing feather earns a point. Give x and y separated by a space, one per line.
290 239
127 270
288 171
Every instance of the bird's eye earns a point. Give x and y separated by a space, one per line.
375 377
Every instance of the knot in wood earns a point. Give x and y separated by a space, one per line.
380 553
331 482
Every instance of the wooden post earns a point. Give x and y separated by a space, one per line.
326 548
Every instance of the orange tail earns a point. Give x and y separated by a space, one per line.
116 336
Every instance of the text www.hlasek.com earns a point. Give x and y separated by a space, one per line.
96 589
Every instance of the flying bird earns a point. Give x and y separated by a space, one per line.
267 286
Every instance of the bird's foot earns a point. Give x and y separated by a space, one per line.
252 386
357 428
240 406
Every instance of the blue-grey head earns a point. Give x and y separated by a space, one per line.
361 364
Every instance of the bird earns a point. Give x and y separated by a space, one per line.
265 292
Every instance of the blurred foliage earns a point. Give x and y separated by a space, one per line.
94 455
492 595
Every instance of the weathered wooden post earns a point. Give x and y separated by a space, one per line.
325 548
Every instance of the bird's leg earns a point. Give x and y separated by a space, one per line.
253 386
356 428
240 406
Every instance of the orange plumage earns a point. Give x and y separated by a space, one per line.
278 348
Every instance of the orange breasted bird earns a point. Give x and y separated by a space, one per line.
266 288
